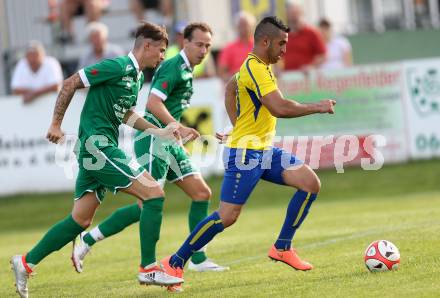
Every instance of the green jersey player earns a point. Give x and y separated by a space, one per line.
114 86
170 93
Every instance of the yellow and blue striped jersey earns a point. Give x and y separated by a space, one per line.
255 125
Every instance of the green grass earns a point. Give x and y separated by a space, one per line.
400 203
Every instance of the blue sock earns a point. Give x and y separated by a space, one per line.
297 211
199 237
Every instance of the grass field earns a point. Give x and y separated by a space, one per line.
400 203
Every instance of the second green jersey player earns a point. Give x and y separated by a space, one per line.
170 94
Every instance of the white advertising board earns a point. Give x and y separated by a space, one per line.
421 92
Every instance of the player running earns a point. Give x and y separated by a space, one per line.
114 86
171 90
249 155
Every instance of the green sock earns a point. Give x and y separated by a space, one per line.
116 222
197 212
58 235
149 229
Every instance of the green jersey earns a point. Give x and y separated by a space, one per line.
172 82
114 86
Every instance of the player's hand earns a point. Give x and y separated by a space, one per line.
170 132
327 106
221 137
188 133
54 134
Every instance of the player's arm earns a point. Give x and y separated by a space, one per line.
156 106
134 120
280 107
70 85
271 97
231 99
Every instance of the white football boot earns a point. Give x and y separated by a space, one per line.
156 276
21 275
207 265
79 252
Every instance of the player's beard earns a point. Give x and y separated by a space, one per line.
273 57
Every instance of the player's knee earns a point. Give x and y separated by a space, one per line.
313 185
229 219
203 194
84 222
155 192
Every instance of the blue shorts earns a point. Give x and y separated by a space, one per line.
245 167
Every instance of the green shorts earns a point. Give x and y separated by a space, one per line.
164 161
107 168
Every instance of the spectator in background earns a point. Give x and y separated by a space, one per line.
305 47
92 9
141 8
233 54
36 74
160 12
338 48
205 69
100 48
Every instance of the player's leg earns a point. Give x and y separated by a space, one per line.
123 173
88 195
307 182
188 178
153 156
115 223
150 193
55 238
127 215
238 183
198 190
113 176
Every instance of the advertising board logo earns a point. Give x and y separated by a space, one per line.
200 118
424 90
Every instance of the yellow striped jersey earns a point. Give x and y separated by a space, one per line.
255 125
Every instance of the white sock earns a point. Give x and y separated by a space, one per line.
150 266
96 234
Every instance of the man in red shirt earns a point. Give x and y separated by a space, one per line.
305 48
232 56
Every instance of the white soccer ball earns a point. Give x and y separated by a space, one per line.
382 255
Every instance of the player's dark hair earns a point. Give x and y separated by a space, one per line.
151 31
269 26
188 32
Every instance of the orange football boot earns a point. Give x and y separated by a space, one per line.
176 272
290 258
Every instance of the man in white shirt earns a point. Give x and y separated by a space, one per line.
100 48
339 54
36 74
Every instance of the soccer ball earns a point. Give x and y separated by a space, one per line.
382 255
